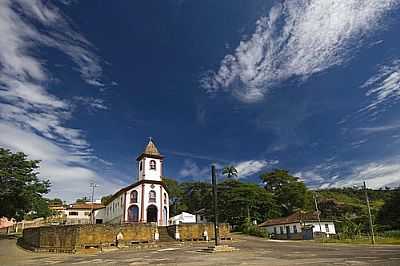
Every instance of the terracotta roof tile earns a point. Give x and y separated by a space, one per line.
299 216
90 206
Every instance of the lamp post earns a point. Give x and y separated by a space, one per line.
214 186
93 186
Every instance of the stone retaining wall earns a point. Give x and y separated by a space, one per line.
72 238
196 231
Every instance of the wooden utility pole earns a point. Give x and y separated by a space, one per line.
214 185
316 208
371 225
92 185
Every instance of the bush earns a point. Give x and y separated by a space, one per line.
251 229
392 233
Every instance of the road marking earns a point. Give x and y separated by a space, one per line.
168 249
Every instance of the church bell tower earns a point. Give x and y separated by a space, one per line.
150 163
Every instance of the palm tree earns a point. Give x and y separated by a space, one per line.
230 171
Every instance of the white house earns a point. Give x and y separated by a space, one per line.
80 213
144 201
299 225
182 218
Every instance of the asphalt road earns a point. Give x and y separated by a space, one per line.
253 251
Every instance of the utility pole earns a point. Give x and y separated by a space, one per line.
93 186
214 185
371 225
316 208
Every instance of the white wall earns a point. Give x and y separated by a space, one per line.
162 200
331 227
147 173
114 210
270 229
184 217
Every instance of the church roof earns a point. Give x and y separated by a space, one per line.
150 151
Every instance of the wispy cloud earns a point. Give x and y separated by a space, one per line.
32 118
383 88
296 40
252 167
192 170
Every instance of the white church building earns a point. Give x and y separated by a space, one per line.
145 201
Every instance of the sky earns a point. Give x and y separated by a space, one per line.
305 85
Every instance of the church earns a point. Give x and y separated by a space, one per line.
145 201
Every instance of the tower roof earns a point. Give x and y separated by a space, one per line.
150 151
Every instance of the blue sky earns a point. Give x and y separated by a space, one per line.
309 86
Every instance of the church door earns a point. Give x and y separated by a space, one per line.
151 214
133 214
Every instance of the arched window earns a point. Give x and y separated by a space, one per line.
165 198
140 166
152 196
153 165
134 196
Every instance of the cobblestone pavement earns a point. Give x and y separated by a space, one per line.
253 251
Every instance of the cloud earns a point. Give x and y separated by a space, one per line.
32 118
296 40
91 103
191 169
251 167
383 87
376 175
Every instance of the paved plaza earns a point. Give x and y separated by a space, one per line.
253 251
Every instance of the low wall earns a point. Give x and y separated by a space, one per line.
196 231
71 238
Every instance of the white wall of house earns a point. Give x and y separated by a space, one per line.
184 217
201 219
77 216
281 229
326 227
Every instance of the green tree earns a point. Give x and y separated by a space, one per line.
238 201
230 171
287 190
20 187
196 196
106 199
389 214
55 201
82 200
175 194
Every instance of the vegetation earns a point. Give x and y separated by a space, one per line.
240 203
229 171
21 191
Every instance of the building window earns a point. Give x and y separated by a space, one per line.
281 230
152 196
295 229
327 228
140 166
165 198
275 231
153 165
73 213
87 213
134 195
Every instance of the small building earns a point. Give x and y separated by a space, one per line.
80 213
183 218
201 216
299 225
146 200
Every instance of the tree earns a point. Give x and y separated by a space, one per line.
82 200
55 201
238 201
175 194
389 215
287 190
106 199
20 187
230 171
